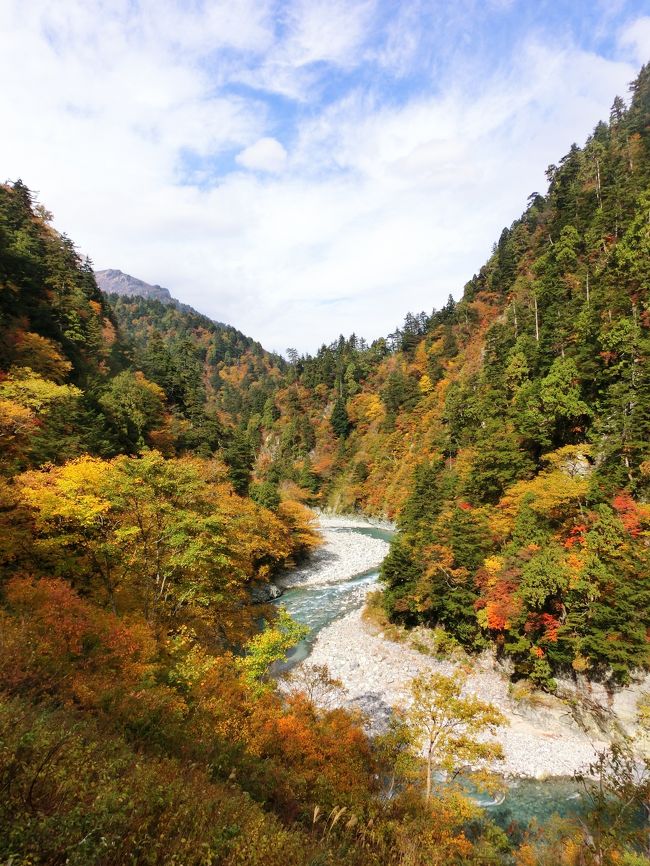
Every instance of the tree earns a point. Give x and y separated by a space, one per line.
500 461
32 411
265 494
400 392
564 411
133 406
239 458
616 790
164 537
268 647
445 725
41 355
339 420
401 571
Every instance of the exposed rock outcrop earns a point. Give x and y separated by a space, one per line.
119 283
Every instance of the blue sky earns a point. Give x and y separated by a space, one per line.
302 169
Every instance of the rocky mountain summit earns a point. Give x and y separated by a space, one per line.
119 283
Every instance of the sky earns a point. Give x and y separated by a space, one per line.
302 169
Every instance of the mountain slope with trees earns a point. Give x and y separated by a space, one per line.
508 432
138 720
196 361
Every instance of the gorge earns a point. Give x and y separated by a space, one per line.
160 473
544 745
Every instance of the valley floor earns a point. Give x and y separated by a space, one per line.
345 553
541 738
538 742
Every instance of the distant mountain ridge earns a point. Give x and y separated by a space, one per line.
114 282
195 359
119 283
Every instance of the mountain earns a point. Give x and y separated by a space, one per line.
118 283
199 363
152 468
508 433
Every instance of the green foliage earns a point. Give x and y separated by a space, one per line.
265 494
400 571
239 456
543 420
500 460
339 420
543 577
559 394
205 368
270 646
400 391
427 496
133 407
52 315
508 433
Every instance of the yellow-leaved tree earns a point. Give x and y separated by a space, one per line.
167 538
448 726
28 405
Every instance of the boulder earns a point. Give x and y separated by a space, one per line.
263 593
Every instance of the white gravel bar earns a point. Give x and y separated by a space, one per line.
541 739
344 554
376 672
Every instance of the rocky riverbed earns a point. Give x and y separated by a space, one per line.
542 738
345 552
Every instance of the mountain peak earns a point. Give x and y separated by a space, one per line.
112 280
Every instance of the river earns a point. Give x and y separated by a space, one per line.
318 605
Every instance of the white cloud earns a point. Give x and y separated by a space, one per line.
637 36
315 33
267 154
403 36
330 31
381 206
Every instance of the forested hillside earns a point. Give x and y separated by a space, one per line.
508 432
138 720
196 361
154 467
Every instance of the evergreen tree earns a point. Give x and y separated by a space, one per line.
340 421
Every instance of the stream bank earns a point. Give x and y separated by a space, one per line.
542 740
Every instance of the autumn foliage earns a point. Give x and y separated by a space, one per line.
157 468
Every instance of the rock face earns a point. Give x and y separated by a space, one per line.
124 284
613 712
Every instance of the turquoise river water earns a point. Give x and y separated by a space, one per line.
526 800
